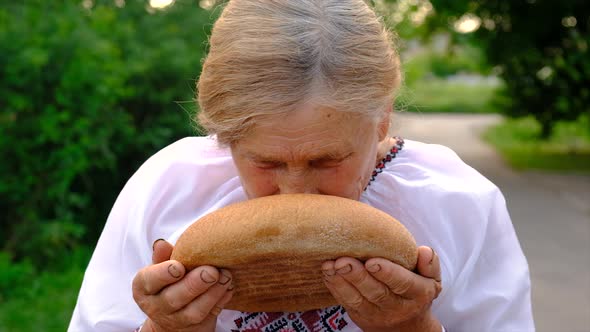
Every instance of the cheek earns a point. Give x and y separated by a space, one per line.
348 181
336 182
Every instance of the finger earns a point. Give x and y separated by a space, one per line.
353 271
428 266
401 281
194 284
328 268
206 305
344 293
428 263
162 251
152 279
227 297
224 300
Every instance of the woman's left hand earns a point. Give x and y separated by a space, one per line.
383 296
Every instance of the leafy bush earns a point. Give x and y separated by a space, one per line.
428 63
86 95
39 300
440 96
457 60
14 277
568 150
543 49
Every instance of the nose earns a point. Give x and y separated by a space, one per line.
298 182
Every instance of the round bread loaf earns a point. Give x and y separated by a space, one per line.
274 247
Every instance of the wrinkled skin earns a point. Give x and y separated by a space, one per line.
382 296
175 300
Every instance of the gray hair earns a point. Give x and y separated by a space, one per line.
268 57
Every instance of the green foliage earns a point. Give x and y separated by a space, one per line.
436 95
429 85
567 150
86 95
542 48
14 277
428 63
457 60
39 301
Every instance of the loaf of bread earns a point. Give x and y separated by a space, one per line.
274 247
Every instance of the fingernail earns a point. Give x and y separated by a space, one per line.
345 269
154 244
433 254
207 277
224 279
328 273
173 270
374 268
215 311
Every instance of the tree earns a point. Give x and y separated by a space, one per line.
88 90
540 46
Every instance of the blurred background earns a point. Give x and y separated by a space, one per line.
90 89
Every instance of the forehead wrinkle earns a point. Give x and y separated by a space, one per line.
325 118
278 152
287 131
297 132
304 136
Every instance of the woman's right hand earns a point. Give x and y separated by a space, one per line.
175 300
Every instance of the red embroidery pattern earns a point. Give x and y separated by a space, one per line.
324 320
399 145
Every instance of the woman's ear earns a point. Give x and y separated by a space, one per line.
383 126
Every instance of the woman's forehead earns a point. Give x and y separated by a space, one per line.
310 134
308 117
337 153
309 125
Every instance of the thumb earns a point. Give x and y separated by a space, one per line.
162 251
428 264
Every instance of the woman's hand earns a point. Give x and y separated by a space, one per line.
175 300
383 296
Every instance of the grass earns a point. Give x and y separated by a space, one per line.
439 96
46 306
568 150
39 302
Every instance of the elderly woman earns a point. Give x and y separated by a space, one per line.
297 97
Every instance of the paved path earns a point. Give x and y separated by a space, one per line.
551 214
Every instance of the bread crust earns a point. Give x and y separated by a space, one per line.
274 247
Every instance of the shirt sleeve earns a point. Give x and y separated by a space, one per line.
105 301
167 194
450 207
491 290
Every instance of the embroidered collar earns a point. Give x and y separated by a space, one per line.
397 147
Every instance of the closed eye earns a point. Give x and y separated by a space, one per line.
328 162
268 164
